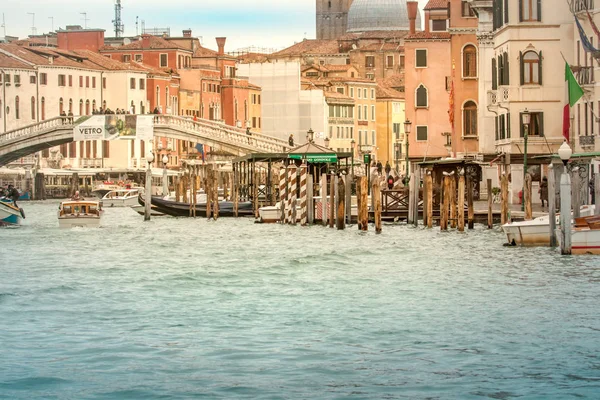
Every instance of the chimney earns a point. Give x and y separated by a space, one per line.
145 41
187 33
221 44
412 8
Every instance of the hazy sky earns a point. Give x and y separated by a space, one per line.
262 23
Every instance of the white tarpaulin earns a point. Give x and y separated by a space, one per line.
115 127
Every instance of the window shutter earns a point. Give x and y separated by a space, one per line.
494 75
540 67
521 10
496 126
506 70
521 127
539 10
508 125
522 70
541 122
506 11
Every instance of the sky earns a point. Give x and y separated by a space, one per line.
273 24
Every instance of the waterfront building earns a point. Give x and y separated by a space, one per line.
441 82
390 126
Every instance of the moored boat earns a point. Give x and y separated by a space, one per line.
142 210
121 198
9 214
179 209
79 213
271 214
585 235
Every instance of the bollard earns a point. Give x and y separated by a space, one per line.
341 204
552 205
528 211
490 222
429 179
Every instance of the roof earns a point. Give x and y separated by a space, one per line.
204 52
253 57
108 63
382 47
312 148
393 34
45 56
392 81
337 96
338 68
11 62
155 43
309 46
149 69
388 93
369 15
429 36
349 79
253 86
436 4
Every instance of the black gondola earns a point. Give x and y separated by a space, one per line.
179 209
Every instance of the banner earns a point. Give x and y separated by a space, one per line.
115 127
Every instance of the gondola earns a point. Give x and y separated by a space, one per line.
179 209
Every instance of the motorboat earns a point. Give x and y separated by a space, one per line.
585 235
79 213
179 209
535 232
121 198
9 213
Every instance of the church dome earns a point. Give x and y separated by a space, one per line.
379 15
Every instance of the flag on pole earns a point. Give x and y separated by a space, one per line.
573 92
451 104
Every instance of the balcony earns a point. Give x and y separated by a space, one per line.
582 5
587 141
492 96
585 75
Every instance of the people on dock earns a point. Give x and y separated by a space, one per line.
249 133
388 167
543 191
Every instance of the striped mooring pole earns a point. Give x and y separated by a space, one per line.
303 199
282 193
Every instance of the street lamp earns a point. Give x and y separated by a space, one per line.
353 144
310 136
326 141
407 127
565 152
149 160
525 119
165 160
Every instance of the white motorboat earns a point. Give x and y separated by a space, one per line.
79 213
585 235
535 232
121 198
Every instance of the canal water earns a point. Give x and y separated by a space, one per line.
181 308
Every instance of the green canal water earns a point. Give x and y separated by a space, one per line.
185 309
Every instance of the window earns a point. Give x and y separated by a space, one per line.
365 112
87 81
530 10
438 25
389 62
93 82
70 80
340 90
31 79
421 133
470 119
43 79
421 58
80 107
103 83
7 78
132 83
33 107
17 80
536 124
359 113
138 58
396 130
370 61
421 95
164 61
142 84
80 81
469 61
71 105
373 137
531 68
43 106
503 70
402 61
17 107
359 93
126 57
365 93
467 11
352 92
373 94
372 113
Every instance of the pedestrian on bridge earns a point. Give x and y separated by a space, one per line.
249 134
291 140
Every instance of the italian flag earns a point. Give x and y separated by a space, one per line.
573 93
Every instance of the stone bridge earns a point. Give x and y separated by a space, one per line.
56 131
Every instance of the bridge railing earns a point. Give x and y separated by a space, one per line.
37 127
231 134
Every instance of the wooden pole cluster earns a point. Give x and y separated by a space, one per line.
310 201
453 205
376 194
552 205
255 202
324 202
576 193
348 192
445 203
293 187
429 203
282 194
461 202
332 184
490 221
215 196
363 199
303 194
527 197
417 189
192 209
236 192
411 199
470 209
504 199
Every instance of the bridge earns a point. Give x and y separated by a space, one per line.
56 131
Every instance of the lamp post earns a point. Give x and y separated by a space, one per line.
326 141
310 136
353 144
525 119
564 152
407 126
149 160
165 160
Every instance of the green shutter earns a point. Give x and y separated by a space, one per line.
540 67
539 10
508 125
522 68
506 11
506 70
520 10
494 75
496 126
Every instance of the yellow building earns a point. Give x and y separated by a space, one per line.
390 136
252 108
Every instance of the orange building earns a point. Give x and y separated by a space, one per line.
441 81
77 38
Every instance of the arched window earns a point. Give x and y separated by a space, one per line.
17 116
43 107
81 107
469 61
421 95
71 106
531 68
33 107
470 118
87 107
61 107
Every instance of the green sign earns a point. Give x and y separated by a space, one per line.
367 159
315 158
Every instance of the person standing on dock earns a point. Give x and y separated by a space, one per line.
543 191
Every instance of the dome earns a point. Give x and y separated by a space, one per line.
379 15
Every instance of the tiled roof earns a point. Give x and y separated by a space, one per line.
388 93
309 46
253 57
436 4
429 36
382 47
348 79
107 63
337 95
49 57
375 35
149 69
155 43
253 86
204 52
338 67
11 62
392 81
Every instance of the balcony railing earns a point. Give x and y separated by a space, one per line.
585 75
582 5
587 141
492 97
